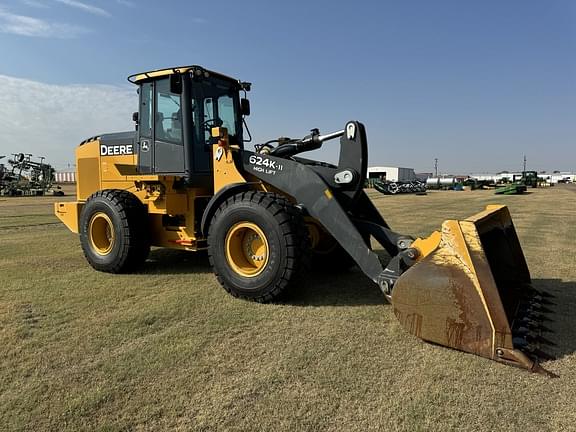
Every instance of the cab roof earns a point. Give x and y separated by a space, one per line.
198 70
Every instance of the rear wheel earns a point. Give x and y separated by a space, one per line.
335 260
257 245
327 254
113 231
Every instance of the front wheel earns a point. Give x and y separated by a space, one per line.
257 245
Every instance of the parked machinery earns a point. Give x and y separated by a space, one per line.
2 171
530 179
511 189
393 188
26 177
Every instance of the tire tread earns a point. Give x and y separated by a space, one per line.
294 231
134 231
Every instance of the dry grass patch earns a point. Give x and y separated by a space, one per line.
168 349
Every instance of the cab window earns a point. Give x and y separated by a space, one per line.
216 104
145 123
219 111
227 114
168 125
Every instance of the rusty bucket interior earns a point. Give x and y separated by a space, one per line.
470 290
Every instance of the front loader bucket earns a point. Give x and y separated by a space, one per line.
470 290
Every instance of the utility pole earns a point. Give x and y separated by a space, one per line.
524 163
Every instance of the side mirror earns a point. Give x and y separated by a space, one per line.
136 119
244 107
176 83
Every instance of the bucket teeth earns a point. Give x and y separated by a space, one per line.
528 326
544 341
534 306
528 289
541 309
545 294
523 331
524 327
543 300
532 323
540 340
520 342
529 322
533 316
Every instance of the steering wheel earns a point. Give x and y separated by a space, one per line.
207 125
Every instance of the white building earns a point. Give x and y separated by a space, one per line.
65 176
562 177
514 176
511 176
391 173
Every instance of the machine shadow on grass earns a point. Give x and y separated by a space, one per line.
174 261
328 287
338 287
344 288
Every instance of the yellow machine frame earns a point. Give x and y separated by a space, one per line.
155 191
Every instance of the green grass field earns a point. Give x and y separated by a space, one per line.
168 349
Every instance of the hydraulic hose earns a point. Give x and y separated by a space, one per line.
310 142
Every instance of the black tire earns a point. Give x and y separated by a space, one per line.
325 253
286 239
128 225
335 261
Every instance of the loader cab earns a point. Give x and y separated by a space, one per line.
177 110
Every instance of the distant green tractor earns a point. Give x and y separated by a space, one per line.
529 179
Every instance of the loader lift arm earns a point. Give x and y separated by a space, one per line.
334 196
466 287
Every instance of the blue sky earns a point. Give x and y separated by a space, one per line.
476 84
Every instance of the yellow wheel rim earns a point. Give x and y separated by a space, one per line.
101 233
320 241
246 249
314 234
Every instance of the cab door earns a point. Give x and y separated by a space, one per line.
145 129
168 137
160 139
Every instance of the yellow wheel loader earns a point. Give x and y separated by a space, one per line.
185 180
